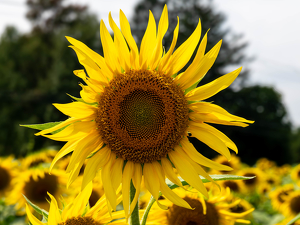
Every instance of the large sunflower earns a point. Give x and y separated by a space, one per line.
77 213
136 112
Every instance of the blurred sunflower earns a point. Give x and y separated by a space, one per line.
295 174
264 164
136 112
77 213
279 196
234 185
251 184
35 183
291 205
234 163
216 210
8 171
36 158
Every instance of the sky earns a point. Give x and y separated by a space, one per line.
271 27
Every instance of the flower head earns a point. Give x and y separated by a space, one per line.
35 184
136 113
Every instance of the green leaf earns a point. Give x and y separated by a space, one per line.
40 211
294 220
217 177
42 126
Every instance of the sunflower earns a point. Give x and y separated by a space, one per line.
251 185
136 112
280 194
35 183
234 163
8 171
291 205
216 210
39 157
264 164
76 212
295 174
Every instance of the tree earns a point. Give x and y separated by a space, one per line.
36 70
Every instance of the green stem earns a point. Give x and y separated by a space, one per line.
147 210
134 218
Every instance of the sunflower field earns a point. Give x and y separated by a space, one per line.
270 198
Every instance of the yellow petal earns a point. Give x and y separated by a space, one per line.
150 178
183 54
84 148
94 164
98 59
77 109
196 166
168 169
186 171
229 143
121 45
66 149
79 155
109 49
167 192
162 29
127 176
148 42
212 88
80 202
136 179
212 118
74 131
165 61
216 111
199 158
91 67
117 172
199 67
107 183
210 139
54 214
125 28
32 218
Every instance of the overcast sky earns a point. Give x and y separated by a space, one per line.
271 27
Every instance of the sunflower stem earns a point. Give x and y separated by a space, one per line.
147 210
134 217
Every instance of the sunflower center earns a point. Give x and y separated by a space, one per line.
295 205
80 221
4 178
181 216
36 190
232 185
95 196
142 115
